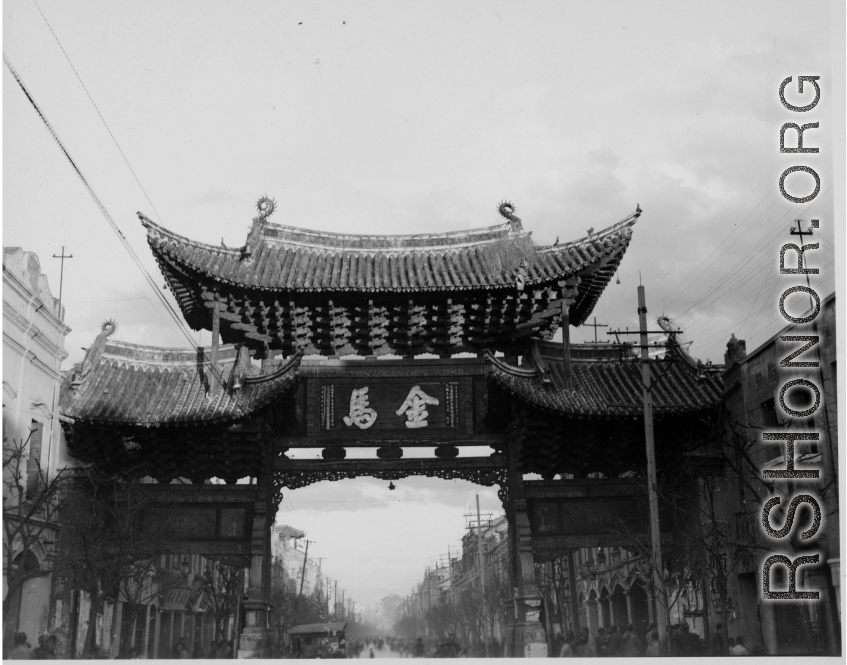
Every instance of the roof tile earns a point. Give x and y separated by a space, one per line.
127 387
603 388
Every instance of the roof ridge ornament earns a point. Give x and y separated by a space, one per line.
92 356
507 210
266 207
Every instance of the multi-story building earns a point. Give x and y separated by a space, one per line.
33 350
294 569
752 385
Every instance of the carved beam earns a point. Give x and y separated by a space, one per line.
480 470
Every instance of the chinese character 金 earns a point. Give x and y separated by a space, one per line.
360 415
415 407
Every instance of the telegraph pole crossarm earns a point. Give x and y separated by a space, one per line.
596 325
64 256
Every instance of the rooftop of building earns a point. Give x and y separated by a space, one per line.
283 258
607 381
134 384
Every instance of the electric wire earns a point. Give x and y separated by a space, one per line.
718 289
181 326
736 278
91 99
696 269
747 228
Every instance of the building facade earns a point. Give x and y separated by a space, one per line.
33 350
752 384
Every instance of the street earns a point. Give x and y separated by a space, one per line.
380 653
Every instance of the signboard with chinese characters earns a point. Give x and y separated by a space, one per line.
588 512
362 403
389 406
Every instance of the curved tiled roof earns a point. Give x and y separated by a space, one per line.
605 387
132 384
285 258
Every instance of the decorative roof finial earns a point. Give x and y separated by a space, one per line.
92 356
507 210
266 207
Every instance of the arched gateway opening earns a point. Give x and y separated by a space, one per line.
343 342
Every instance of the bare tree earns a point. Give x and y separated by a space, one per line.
32 500
222 585
116 549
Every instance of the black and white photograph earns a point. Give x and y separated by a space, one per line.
426 329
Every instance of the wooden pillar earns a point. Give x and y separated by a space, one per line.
254 641
216 334
527 633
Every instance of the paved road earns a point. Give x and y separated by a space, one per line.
384 653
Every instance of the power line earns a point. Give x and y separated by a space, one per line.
763 254
177 319
67 57
747 228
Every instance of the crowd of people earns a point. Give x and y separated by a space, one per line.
47 649
625 642
22 650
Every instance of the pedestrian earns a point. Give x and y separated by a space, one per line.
21 650
718 648
46 648
654 647
613 643
630 646
567 648
738 649
450 649
372 652
584 646
419 648
558 643
180 650
600 642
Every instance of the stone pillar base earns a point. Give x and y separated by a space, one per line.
526 635
255 639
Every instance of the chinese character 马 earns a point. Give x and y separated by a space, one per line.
360 414
415 407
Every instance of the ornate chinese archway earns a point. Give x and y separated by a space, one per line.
205 413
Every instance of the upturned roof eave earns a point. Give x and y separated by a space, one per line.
611 256
263 387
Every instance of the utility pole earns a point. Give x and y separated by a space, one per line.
303 573
63 256
335 602
481 576
318 578
652 495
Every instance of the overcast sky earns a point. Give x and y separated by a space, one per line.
410 117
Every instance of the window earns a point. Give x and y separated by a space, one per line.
33 467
